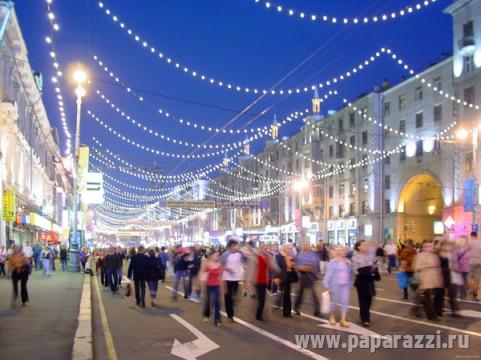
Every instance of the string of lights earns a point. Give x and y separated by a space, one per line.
326 19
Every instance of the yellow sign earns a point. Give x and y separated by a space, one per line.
83 159
8 206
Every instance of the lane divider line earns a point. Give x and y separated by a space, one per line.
109 341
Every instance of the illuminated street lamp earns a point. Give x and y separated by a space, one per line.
80 78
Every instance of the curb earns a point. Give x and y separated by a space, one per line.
83 342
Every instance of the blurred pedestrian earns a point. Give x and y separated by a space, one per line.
474 264
462 258
391 252
308 264
232 261
46 259
213 281
138 272
19 267
445 258
153 275
3 259
406 258
164 261
338 282
364 265
111 264
428 272
288 275
63 257
262 279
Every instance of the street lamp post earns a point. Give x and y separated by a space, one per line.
74 262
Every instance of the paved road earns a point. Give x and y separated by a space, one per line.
150 333
45 328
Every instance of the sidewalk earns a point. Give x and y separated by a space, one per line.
45 328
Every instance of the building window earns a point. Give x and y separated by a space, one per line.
341 210
352 209
353 188
387 160
468 64
364 207
468 30
402 155
387 108
438 112
437 83
340 124
331 192
352 140
402 126
387 182
351 164
339 151
331 151
468 164
387 206
364 137
469 95
402 101
298 165
418 93
419 148
341 189
352 120
331 212
419 120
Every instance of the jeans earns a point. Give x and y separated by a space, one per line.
139 286
23 278
180 274
391 262
286 297
305 281
38 263
464 288
119 276
231 290
46 267
261 300
153 286
212 296
112 279
63 262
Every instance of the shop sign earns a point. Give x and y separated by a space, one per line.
8 205
368 230
40 222
438 227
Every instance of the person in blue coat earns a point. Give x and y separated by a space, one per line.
338 281
138 271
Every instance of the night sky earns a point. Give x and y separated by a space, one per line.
235 41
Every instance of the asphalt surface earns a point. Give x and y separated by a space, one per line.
45 328
151 333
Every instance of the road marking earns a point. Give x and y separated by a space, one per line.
271 336
435 325
470 313
109 342
193 349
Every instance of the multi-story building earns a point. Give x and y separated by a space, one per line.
31 167
399 162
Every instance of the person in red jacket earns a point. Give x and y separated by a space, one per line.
262 279
213 282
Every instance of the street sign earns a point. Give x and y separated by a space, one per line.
8 206
94 190
217 204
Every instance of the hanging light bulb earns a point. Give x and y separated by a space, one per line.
226 160
247 147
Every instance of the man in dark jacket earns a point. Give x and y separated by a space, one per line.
112 263
138 269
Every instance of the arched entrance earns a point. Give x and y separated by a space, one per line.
420 205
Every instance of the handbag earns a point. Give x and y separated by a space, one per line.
325 302
294 277
402 279
377 275
456 278
128 290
